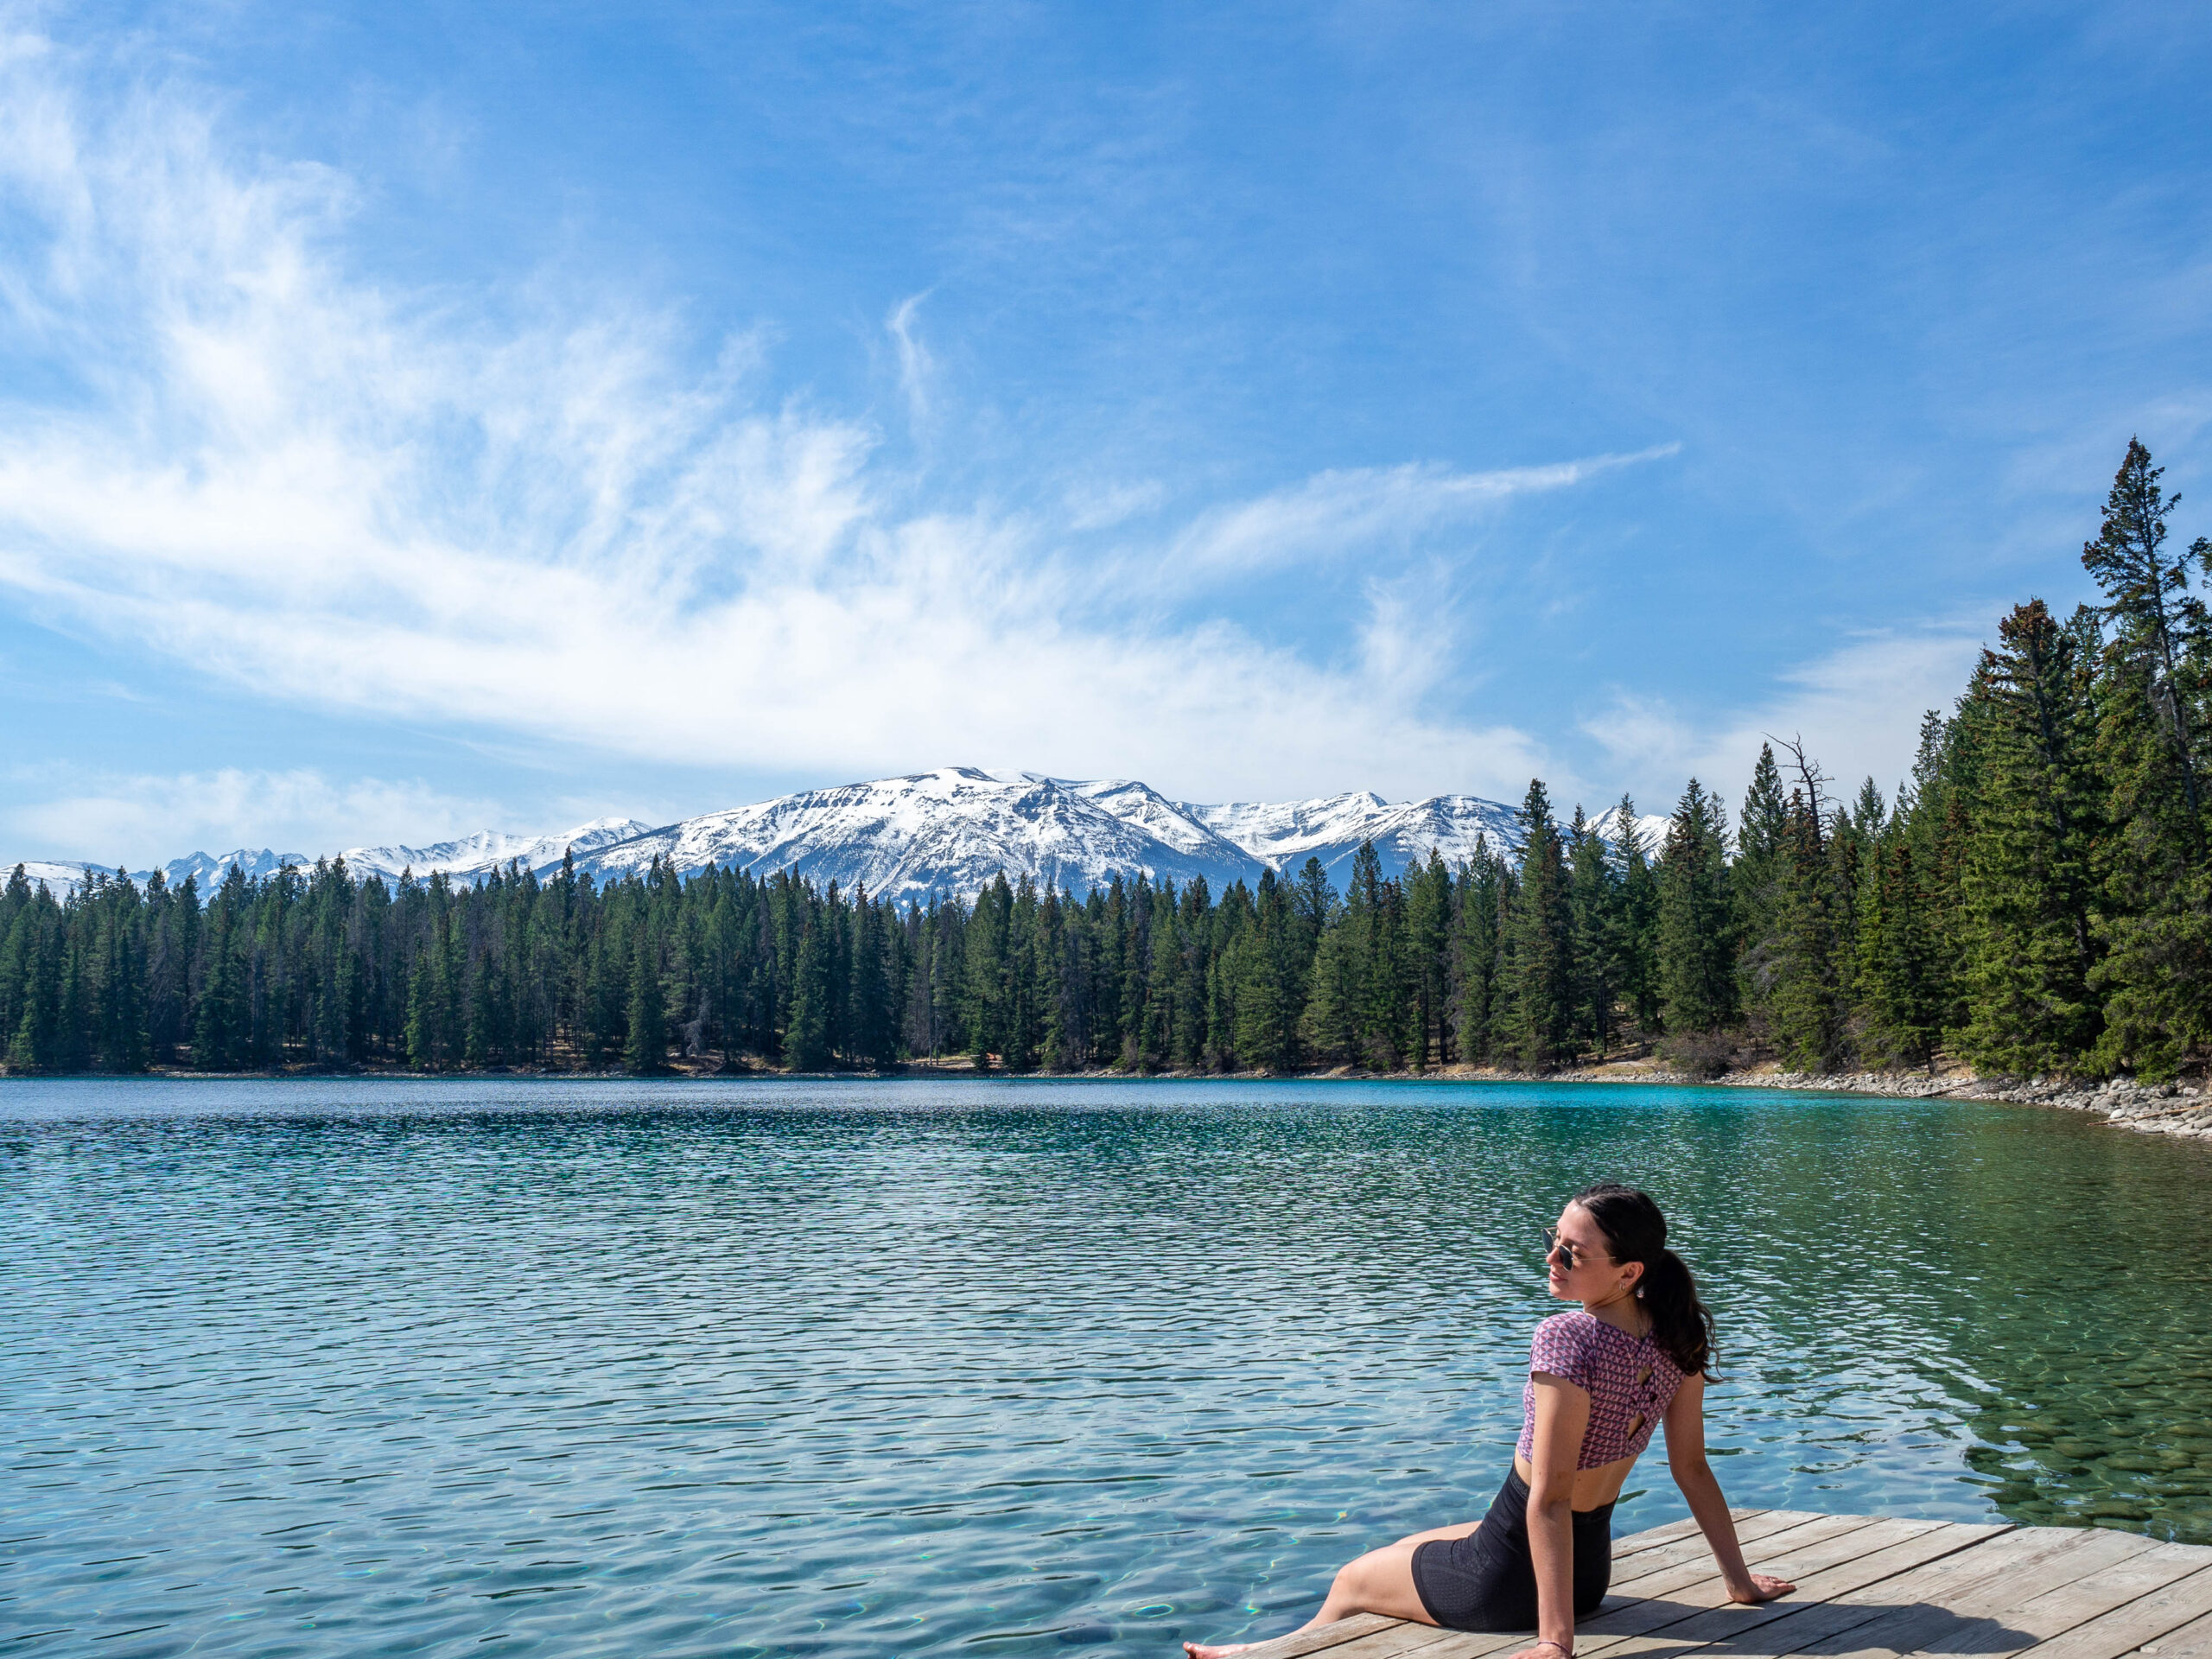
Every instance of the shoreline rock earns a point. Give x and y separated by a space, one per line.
2179 1108
2151 1108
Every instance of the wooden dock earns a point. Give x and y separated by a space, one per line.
1867 1589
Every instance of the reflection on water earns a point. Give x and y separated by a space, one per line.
342 1368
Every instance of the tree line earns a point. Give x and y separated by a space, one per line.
2037 898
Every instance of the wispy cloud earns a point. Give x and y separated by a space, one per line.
139 819
1857 709
916 367
333 492
1365 511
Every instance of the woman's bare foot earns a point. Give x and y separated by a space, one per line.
1200 1650
1763 1587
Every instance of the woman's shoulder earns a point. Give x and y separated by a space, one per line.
1575 1321
1561 1341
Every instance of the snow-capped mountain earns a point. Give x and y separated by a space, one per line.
58 876
469 856
952 830
1650 831
488 850
210 874
1286 833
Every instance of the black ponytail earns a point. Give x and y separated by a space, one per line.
1636 1231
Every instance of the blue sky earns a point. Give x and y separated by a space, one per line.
421 418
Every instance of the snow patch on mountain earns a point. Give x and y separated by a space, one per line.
953 830
1650 831
950 831
1286 833
60 876
488 850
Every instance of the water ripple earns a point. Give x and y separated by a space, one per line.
899 1368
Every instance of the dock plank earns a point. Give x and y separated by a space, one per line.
2148 1619
1925 1626
1683 1560
1821 1567
1711 1620
1300 1642
2192 1641
2065 1607
1856 1593
1868 1588
1694 1565
1636 1543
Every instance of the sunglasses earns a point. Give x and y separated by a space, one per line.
1554 1244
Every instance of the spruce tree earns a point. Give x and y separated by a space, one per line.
1269 990
1593 931
1330 1026
2027 885
1756 878
806 1042
422 1014
1899 977
1805 1003
1697 924
644 1047
1428 961
2151 744
1541 985
1636 937
1485 898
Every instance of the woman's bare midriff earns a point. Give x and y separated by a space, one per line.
1593 1488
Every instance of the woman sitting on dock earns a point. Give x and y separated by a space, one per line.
1599 1379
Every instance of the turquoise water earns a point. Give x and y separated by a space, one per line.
324 1368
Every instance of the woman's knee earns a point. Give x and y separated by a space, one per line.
1377 1580
1357 1576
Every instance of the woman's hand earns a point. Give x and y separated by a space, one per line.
1761 1587
1546 1650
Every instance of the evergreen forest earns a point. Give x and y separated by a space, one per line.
2036 898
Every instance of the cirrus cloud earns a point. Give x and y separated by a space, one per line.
276 471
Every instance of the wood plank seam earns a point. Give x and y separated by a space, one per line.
1869 1588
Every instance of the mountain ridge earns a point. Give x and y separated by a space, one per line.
949 830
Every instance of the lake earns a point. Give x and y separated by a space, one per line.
346 1367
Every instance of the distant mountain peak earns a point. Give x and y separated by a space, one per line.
952 831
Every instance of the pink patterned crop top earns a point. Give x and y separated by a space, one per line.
1629 1383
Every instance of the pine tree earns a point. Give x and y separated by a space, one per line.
1756 878
1269 990
1806 1002
2152 744
1329 1024
423 1004
2159 625
1636 942
870 999
1899 974
2026 881
1539 1005
806 1042
1697 925
1593 931
644 1048
1428 961
1485 900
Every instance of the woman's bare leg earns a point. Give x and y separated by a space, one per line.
1381 1582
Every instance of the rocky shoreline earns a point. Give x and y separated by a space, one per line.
2182 1109
2155 1109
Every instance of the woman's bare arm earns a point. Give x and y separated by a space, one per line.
1562 1413
1685 1426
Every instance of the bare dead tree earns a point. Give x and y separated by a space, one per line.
1815 780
